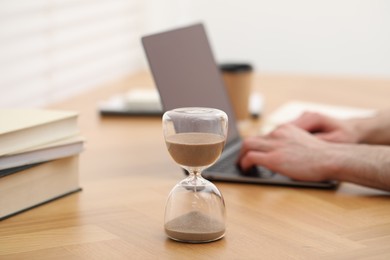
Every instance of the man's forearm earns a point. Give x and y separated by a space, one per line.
367 165
375 130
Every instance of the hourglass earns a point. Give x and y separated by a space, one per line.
195 210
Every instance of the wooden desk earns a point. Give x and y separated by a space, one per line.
127 174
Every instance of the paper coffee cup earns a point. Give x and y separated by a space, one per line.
238 82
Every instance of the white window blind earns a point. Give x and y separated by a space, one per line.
52 49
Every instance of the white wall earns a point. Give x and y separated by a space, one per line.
53 49
334 37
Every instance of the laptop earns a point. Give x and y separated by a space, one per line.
186 75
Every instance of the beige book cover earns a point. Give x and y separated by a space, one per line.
25 128
63 148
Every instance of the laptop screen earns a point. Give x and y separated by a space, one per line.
185 72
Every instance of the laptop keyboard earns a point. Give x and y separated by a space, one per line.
228 165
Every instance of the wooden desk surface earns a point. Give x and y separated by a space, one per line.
127 174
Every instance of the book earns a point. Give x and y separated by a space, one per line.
8 171
58 149
293 109
38 184
24 128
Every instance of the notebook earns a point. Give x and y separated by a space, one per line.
186 75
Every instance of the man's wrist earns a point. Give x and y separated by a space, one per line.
363 129
334 163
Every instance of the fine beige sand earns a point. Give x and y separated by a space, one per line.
195 227
195 149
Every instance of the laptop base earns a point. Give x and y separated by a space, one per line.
275 179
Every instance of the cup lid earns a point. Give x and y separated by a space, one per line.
235 67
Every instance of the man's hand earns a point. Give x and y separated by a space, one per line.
299 155
327 128
290 151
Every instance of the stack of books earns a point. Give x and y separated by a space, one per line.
39 154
